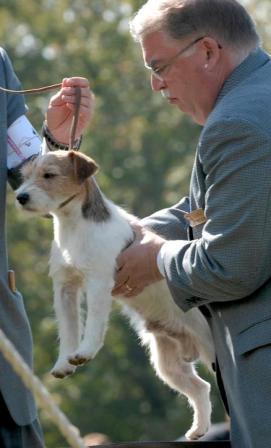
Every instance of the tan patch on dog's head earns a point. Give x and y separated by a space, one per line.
52 178
60 171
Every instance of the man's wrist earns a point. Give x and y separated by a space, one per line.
54 144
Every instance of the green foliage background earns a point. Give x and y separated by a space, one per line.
145 149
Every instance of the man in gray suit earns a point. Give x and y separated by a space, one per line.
205 58
19 426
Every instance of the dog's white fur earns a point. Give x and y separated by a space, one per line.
89 233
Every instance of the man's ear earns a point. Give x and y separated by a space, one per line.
83 165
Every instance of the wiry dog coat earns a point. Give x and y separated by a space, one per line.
89 233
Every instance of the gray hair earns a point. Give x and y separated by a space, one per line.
225 20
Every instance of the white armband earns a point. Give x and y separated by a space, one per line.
22 141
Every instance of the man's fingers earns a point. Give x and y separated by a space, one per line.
133 292
124 267
68 94
120 289
75 81
126 290
71 90
121 278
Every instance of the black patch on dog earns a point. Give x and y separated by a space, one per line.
94 207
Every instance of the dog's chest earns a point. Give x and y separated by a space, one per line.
87 248
82 256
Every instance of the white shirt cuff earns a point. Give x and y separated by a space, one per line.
22 142
160 261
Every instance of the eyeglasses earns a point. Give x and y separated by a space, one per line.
158 72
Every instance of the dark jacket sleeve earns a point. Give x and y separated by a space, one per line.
170 222
232 258
15 104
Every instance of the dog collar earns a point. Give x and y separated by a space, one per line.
67 201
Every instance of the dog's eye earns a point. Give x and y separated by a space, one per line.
49 175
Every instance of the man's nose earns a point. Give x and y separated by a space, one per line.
23 198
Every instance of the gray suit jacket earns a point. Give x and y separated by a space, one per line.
227 265
13 319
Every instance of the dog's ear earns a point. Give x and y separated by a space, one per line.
83 165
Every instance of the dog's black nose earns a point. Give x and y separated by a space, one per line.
23 198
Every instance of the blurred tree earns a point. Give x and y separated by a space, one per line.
145 150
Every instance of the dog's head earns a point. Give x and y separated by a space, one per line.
52 179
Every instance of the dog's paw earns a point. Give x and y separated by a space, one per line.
79 358
197 431
62 369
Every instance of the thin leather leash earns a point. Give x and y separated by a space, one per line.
47 89
158 444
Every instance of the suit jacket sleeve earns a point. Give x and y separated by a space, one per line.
170 222
231 259
15 105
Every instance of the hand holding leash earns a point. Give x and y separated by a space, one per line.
62 106
68 113
137 265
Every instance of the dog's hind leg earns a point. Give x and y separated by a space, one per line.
67 295
168 359
99 302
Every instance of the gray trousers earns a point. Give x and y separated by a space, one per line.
15 436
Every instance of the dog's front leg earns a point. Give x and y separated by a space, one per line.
67 296
99 302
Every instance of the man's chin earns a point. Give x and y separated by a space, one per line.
190 114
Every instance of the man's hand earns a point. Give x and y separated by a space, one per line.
137 265
61 109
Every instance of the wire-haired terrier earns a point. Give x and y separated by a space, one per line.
89 233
